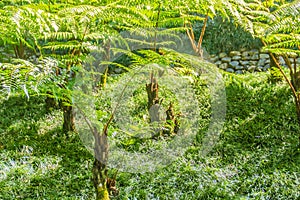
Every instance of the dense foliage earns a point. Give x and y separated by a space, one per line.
45 48
255 157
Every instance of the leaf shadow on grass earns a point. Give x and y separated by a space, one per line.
22 123
18 108
261 120
21 129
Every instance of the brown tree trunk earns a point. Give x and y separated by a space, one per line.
172 121
19 50
154 106
102 183
154 103
50 102
99 180
99 168
69 118
152 91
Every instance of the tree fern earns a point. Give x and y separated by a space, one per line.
280 35
23 75
23 27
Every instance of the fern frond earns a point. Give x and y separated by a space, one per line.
59 36
282 51
23 75
284 25
290 9
68 46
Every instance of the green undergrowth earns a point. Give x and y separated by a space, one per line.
256 157
37 160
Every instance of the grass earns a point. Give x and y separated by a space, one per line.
257 156
37 160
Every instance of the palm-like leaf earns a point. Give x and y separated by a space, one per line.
24 75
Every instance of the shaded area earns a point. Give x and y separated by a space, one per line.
38 161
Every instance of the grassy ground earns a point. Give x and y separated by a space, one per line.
257 156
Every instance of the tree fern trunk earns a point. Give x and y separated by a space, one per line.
99 180
171 121
99 167
50 102
69 118
153 100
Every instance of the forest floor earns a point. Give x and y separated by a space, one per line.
256 157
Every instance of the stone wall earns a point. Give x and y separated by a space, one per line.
244 60
237 62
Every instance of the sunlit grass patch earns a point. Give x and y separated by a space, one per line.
49 122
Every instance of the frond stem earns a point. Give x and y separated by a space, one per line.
156 26
202 35
284 75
